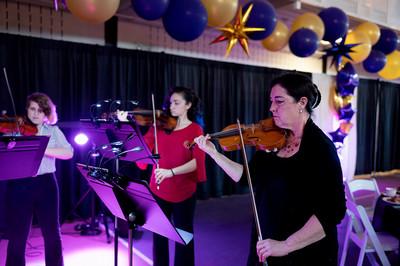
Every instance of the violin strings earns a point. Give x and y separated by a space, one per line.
226 133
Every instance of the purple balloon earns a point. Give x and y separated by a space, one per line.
375 62
387 42
336 23
346 113
185 20
262 15
347 76
303 42
346 90
150 9
337 136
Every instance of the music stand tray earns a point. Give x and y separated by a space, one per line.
20 156
134 197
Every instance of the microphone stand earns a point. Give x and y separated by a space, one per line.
92 228
116 149
118 153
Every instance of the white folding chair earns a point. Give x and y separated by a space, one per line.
363 192
360 231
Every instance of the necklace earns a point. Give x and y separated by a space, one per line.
292 145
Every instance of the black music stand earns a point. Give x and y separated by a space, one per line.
20 156
111 136
115 140
132 201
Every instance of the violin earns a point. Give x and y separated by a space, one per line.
12 125
145 118
264 135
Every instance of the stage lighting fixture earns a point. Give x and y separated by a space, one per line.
81 139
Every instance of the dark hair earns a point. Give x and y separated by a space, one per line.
298 85
194 113
45 103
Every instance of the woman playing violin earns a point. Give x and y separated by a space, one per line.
299 191
38 194
174 182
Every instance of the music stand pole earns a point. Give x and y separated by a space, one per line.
132 226
116 232
116 241
91 229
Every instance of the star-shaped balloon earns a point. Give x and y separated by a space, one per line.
236 32
337 136
338 50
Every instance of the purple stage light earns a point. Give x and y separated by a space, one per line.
81 139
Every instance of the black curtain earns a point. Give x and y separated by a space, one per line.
78 75
378 111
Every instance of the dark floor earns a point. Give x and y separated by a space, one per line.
222 229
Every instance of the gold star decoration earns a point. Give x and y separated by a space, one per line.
236 32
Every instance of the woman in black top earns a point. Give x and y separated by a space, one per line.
299 190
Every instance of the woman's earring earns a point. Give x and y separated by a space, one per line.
300 110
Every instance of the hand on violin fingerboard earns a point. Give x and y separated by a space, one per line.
204 144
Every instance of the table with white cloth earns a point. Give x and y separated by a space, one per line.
387 218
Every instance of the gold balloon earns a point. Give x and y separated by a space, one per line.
93 11
278 38
309 21
347 100
220 12
345 127
337 100
371 29
392 67
362 50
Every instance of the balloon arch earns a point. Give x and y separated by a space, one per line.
186 20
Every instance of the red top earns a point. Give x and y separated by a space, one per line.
174 153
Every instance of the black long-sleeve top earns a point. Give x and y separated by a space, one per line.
290 190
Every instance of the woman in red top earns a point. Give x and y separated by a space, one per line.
174 182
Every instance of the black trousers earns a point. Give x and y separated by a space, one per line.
182 214
24 198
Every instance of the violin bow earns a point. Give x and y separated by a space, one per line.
18 133
253 201
155 133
